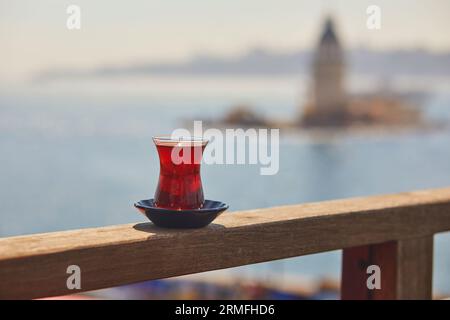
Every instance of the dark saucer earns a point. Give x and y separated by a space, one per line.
181 219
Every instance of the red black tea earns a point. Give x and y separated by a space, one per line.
180 184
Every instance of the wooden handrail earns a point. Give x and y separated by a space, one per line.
35 265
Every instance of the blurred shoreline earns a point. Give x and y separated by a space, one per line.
263 62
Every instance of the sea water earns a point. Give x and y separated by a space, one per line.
80 158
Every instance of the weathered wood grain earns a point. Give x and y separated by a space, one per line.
35 265
414 268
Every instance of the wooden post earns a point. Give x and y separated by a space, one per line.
406 270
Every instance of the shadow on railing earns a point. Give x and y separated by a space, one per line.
394 232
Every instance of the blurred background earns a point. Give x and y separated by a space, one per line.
78 109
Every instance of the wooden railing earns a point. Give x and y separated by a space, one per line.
394 232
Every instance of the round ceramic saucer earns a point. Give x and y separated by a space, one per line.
181 219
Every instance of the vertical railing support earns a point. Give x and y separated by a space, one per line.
406 270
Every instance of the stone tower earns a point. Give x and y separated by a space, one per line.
328 72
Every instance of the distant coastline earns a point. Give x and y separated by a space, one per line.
266 62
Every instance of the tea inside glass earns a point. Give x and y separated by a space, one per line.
179 184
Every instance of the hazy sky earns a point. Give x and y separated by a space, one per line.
33 34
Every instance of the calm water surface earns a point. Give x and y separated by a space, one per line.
81 160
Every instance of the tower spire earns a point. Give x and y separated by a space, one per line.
329 70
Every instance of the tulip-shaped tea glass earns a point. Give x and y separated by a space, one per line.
180 184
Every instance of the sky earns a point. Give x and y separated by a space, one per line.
34 36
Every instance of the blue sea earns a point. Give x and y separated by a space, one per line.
77 155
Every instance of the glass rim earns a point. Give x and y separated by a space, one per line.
170 140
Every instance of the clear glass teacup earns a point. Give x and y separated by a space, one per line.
179 185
